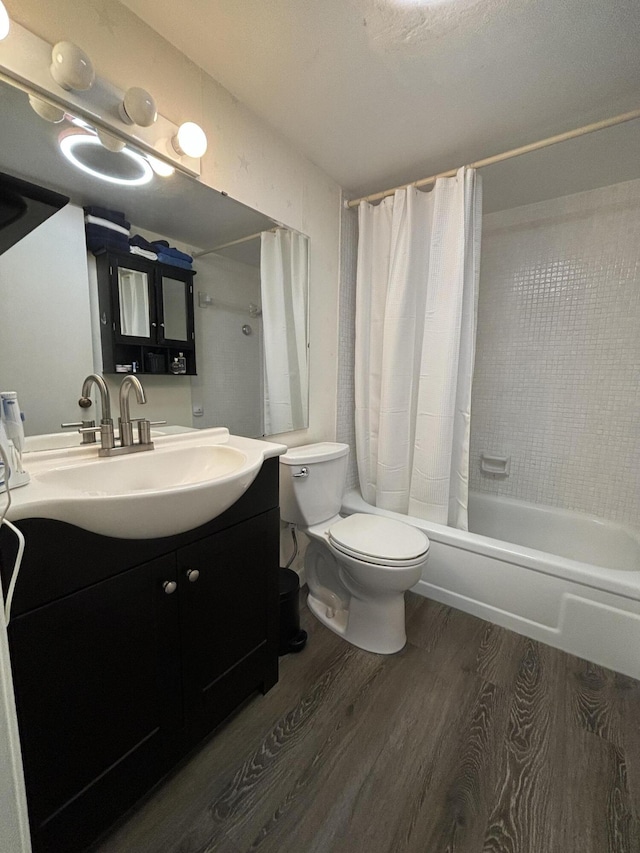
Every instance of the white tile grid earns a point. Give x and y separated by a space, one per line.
558 353
232 395
345 427
228 388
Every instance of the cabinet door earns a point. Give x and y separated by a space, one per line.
175 307
227 617
97 691
134 302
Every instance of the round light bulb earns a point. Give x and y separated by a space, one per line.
71 68
138 107
46 110
110 142
190 140
4 22
162 169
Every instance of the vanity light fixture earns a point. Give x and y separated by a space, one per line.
138 107
72 145
71 68
4 22
190 140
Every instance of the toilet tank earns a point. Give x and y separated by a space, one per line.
310 499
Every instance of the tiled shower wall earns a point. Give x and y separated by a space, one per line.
557 379
345 426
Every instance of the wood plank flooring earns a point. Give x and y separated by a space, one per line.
471 740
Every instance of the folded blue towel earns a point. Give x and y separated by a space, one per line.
99 239
173 262
104 213
139 241
166 249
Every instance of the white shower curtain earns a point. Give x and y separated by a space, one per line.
416 305
134 303
283 284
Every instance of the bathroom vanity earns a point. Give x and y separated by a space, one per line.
126 653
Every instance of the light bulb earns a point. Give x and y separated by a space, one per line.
110 142
162 169
190 140
46 110
71 68
138 107
4 22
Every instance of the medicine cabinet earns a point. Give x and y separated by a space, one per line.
146 314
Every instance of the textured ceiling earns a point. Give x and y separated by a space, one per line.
378 92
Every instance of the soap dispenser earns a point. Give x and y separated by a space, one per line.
179 364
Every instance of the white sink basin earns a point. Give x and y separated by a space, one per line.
186 481
178 467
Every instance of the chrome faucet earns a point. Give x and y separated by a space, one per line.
125 425
125 422
105 429
105 400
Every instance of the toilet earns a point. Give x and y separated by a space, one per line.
359 567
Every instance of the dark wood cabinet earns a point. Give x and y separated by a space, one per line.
146 313
97 687
220 647
120 669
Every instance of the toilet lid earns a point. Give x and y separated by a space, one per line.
373 536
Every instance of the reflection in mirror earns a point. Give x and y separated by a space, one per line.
250 297
133 291
174 309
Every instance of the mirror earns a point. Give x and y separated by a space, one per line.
133 295
174 309
250 377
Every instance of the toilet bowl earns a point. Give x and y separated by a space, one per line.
359 567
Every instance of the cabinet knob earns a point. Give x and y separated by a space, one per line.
192 575
169 587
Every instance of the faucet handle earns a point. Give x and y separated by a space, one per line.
75 424
106 434
89 436
144 430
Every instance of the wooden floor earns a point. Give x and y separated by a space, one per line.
471 739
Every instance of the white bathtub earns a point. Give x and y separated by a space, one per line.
564 578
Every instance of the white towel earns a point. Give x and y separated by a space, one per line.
105 223
136 250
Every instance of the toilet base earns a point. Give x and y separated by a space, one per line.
375 625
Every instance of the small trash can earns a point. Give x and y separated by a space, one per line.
292 638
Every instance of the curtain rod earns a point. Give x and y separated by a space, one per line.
234 242
507 155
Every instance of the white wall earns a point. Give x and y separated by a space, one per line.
50 260
246 158
558 352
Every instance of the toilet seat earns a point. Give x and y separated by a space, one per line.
379 541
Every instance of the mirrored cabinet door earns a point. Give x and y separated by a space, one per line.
135 304
174 309
175 298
